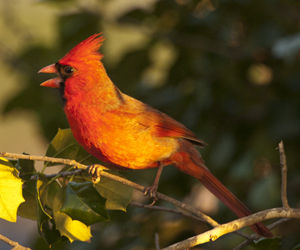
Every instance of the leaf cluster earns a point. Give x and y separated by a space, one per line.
64 208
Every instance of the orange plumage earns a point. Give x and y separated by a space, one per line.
123 131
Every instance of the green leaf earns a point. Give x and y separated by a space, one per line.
28 209
52 195
46 226
117 194
72 229
64 145
267 244
10 191
26 168
82 202
40 185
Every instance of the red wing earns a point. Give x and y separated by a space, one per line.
165 126
170 127
160 124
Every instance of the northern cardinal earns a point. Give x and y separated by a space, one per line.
125 132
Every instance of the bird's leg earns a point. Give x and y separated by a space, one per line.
95 171
152 190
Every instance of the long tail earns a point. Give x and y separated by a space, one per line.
189 161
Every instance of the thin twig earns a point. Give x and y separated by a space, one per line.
64 173
188 208
175 211
124 181
283 196
12 243
278 222
283 175
164 209
234 225
44 158
246 242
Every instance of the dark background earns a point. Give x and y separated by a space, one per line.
228 70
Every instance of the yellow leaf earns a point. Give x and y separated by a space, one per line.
10 191
72 229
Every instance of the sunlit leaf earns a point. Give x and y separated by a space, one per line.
10 191
117 194
72 229
82 202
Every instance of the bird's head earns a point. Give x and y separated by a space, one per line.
83 59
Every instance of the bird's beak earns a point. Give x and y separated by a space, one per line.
51 83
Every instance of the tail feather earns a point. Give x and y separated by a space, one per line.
190 162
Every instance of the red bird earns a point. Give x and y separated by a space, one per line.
125 132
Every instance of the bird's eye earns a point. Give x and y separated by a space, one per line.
68 70
65 71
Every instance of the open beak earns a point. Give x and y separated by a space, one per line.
51 83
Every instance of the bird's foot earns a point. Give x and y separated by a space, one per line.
95 171
152 192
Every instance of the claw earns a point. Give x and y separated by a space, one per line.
95 171
152 192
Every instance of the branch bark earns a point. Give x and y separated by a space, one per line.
234 225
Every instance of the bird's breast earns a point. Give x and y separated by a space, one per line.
117 137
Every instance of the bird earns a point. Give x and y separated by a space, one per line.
125 132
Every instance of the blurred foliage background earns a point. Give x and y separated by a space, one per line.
227 69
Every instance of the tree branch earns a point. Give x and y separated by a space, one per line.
62 174
283 175
44 158
205 218
12 243
188 210
234 225
164 209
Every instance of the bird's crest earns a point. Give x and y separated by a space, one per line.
85 51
